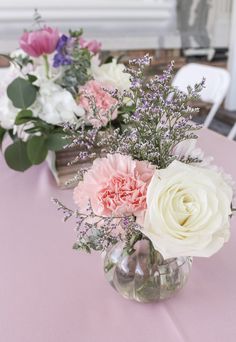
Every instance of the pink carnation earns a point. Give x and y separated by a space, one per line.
115 185
40 42
93 45
104 102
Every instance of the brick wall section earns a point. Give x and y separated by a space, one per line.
160 58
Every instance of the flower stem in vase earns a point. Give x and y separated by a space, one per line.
46 63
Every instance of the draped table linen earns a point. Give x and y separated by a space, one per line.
51 293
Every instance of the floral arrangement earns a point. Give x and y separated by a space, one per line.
47 86
150 181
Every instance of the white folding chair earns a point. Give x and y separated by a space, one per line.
216 86
232 133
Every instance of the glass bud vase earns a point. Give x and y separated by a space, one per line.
144 275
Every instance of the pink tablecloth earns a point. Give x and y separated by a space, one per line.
50 293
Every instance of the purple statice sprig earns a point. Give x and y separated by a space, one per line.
67 213
63 54
161 118
95 232
85 140
98 115
92 141
158 119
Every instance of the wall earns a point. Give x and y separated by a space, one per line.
123 24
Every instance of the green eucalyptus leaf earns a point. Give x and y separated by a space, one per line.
23 116
12 135
108 59
40 126
33 130
16 156
37 149
22 93
76 34
32 78
56 141
2 134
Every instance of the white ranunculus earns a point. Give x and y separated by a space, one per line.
57 105
188 211
112 74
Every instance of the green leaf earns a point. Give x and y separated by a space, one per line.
16 156
76 34
32 78
108 59
56 141
12 135
40 126
23 116
37 149
2 133
22 93
33 130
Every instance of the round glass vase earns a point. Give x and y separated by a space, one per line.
144 275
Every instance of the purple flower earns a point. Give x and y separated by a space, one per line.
62 57
62 42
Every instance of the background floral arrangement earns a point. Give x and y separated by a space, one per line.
47 86
151 181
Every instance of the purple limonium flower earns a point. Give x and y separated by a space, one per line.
62 57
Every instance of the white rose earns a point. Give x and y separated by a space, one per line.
188 211
57 105
112 74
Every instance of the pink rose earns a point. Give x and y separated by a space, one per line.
115 185
93 45
40 42
104 103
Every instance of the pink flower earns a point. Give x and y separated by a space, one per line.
93 45
104 103
37 43
115 185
